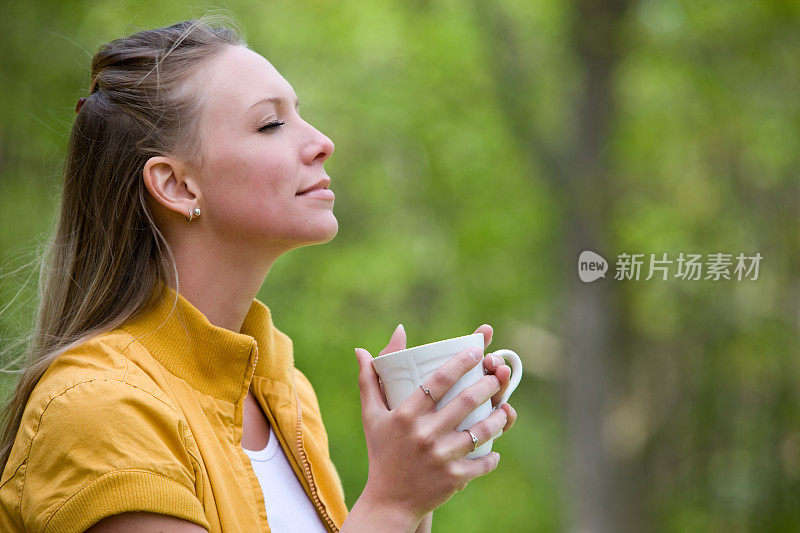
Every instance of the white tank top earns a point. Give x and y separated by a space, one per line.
288 508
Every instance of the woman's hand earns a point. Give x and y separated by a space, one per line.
416 454
494 364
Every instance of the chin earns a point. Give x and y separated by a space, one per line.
322 233
330 235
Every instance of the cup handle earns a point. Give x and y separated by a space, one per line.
516 372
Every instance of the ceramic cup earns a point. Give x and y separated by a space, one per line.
402 373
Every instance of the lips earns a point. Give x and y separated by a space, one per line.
321 184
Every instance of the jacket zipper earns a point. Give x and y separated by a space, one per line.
306 465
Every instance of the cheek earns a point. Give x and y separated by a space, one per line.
252 192
251 171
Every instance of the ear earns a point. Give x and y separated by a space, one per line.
170 185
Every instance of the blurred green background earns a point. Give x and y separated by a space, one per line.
480 147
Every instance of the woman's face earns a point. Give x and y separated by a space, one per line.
257 155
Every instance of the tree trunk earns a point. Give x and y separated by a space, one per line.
579 174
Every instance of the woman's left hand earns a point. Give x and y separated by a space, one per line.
494 364
497 367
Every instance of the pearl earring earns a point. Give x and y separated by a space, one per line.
193 213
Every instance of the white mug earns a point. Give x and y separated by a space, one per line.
402 373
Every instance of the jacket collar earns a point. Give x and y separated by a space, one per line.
213 360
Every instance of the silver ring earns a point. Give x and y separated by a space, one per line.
474 439
429 394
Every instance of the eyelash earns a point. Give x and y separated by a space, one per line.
273 125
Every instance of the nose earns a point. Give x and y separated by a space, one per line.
319 148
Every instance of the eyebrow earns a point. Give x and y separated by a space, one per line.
274 100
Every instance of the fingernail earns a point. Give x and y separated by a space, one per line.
476 354
497 360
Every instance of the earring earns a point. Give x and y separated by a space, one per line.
193 213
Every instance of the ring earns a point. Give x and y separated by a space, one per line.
429 394
474 439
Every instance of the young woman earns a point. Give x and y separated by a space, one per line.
157 393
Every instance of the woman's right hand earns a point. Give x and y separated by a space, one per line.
416 453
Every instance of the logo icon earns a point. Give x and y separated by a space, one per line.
591 266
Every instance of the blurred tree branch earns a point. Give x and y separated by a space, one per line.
514 84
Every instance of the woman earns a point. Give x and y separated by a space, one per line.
156 382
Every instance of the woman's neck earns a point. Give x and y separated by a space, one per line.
220 285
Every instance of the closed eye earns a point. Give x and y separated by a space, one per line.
266 127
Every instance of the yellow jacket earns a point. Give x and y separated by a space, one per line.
148 417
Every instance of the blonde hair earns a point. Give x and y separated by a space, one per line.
106 253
